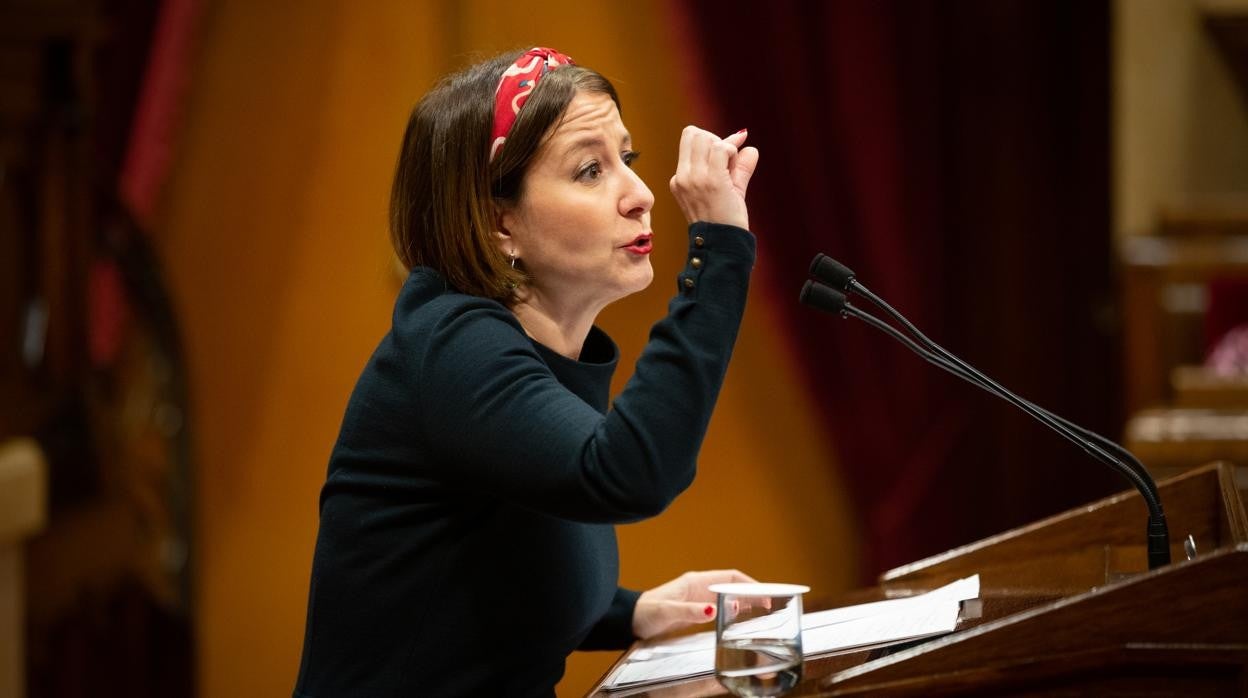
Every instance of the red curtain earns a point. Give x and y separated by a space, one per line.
955 155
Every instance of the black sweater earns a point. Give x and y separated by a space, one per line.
466 544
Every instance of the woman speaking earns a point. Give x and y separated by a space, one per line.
466 541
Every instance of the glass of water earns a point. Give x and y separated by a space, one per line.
758 637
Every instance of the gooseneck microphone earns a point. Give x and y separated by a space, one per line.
839 276
829 299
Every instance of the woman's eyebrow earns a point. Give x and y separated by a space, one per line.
595 141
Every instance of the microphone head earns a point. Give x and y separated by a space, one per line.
822 297
831 272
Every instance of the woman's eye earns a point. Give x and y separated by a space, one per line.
590 172
630 156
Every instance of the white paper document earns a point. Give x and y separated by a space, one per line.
823 632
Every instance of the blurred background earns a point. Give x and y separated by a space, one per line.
194 267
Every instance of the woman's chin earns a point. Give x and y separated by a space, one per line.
636 283
645 278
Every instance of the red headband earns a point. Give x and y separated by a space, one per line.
514 88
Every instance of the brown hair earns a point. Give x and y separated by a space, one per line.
447 193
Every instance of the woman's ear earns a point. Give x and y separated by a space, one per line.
502 233
506 244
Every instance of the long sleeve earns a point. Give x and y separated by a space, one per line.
614 630
488 403
474 465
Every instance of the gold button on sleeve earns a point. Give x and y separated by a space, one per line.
688 282
698 241
696 262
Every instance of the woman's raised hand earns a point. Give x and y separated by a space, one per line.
712 175
680 603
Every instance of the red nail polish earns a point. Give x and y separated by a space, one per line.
709 611
741 131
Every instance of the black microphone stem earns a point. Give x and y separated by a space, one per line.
1158 532
865 292
1091 442
1047 418
842 277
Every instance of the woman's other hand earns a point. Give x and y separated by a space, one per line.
680 603
712 175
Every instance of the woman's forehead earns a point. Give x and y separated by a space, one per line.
590 115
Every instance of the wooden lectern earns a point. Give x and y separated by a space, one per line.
1068 607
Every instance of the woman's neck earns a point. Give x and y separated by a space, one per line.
562 328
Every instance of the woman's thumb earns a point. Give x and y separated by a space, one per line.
743 168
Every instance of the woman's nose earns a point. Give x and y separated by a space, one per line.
637 198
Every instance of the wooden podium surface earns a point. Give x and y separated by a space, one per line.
1068 607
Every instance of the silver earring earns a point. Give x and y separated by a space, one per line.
513 259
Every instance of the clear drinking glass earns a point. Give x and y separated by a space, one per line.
758 637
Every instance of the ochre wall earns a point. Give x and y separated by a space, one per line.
274 239
1180 125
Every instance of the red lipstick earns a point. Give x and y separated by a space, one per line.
641 245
